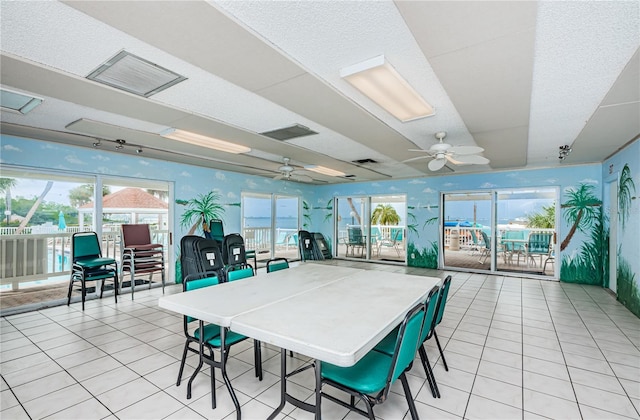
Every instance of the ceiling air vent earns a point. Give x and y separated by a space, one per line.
363 161
289 133
133 74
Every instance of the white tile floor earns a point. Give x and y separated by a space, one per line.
516 348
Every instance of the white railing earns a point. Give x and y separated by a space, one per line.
259 238
465 239
30 257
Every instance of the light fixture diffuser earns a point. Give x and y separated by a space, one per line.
204 141
324 171
18 102
379 81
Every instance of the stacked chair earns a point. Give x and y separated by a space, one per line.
89 265
139 254
313 246
203 266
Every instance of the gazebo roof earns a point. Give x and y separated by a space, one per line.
129 198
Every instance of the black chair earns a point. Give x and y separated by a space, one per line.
307 245
204 255
322 246
233 251
89 265
371 378
275 264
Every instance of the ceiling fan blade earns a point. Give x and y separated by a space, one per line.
466 150
281 176
419 150
416 158
454 160
437 164
472 159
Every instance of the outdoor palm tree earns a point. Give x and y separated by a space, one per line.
385 214
580 210
202 208
545 219
5 187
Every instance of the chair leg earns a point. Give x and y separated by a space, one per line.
182 362
429 372
70 290
407 394
84 290
115 285
444 361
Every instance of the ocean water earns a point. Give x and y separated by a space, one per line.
281 222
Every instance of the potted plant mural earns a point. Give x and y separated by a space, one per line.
200 210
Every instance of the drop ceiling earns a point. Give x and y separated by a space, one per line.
519 79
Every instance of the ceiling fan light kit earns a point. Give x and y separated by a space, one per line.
442 152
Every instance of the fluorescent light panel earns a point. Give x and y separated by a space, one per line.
379 81
18 102
204 141
324 171
133 74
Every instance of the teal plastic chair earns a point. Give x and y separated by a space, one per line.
386 346
539 244
276 264
442 302
89 265
371 378
239 272
212 338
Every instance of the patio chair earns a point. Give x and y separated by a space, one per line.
486 251
394 241
355 240
140 255
539 244
372 377
89 265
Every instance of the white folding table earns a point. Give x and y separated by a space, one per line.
332 314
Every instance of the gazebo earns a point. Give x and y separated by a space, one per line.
134 202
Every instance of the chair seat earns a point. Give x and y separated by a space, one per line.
368 376
212 336
144 247
90 275
94 262
388 344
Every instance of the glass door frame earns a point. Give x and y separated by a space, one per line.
493 266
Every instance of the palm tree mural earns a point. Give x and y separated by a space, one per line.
580 210
202 208
385 214
625 193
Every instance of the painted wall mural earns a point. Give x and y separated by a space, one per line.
583 230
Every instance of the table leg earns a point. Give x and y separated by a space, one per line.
223 368
284 397
318 372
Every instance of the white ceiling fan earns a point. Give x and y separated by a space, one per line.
289 173
442 152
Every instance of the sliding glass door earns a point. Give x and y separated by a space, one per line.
371 228
512 231
270 225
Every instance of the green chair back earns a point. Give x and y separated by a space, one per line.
276 264
85 245
239 274
442 300
355 235
431 306
195 284
407 342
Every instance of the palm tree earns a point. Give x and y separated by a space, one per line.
201 209
33 209
385 214
625 193
546 219
5 187
581 210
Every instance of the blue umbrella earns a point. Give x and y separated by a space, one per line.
62 225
